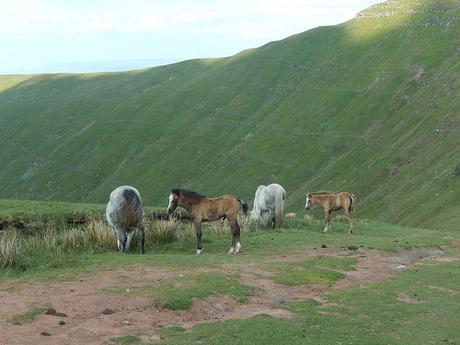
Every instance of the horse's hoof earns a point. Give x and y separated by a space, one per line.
199 251
238 247
231 250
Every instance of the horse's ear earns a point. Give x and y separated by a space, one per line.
309 195
175 191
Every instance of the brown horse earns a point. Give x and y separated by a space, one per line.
201 208
332 202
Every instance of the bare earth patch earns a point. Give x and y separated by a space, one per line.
83 302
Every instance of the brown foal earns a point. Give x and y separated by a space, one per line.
332 202
201 208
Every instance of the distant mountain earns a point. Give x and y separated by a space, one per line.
370 106
96 66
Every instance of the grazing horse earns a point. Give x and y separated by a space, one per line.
332 202
269 200
125 215
201 208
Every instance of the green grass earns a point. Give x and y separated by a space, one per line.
177 293
320 270
369 106
299 237
126 340
29 315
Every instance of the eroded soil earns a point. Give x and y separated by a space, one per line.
83 300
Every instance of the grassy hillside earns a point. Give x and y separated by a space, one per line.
369 106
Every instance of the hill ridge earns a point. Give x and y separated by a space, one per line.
368 105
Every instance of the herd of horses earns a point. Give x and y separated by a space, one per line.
125 213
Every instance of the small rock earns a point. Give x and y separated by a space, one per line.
323 246
60 314
45 333
107 311
61 323
50 311
126 322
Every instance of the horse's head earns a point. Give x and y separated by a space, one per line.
173 200
308 201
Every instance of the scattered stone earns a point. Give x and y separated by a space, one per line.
126 322
50 311
107 311
323 246
45 333
61 323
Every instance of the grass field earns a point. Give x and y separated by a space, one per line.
385 284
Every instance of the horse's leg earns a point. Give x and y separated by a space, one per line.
237 236
235 228
121 240
199 244
141 239
128 240
327 219
350 225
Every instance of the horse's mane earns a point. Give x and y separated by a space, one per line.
322 192
187 193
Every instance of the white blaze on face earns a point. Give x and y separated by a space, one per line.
170 201
306 202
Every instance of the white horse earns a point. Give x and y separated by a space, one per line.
125 215
269 203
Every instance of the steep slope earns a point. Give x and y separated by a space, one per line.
371 106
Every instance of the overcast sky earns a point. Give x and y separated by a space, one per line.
99 35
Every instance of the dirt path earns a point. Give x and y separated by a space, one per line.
83 303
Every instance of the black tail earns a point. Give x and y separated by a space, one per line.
244 206
131 199
350 208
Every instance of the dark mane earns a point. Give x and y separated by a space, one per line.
322 192
187 193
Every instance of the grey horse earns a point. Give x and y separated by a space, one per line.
125 215
269 203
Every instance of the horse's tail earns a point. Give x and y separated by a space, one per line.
133 202
279 208
352 198
244 206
